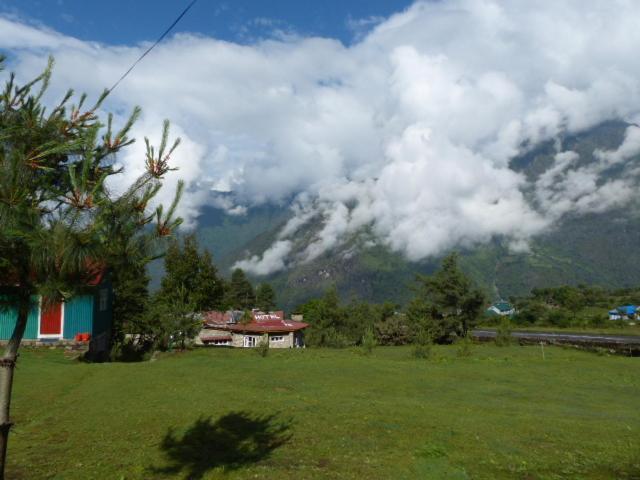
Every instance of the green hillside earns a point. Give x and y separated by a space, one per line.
593 249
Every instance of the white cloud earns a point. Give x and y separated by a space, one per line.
629 148
409 131
270 261
568 188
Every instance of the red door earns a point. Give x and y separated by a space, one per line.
51 320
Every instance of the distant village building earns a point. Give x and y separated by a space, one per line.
625 312
82 317
228 329
501 308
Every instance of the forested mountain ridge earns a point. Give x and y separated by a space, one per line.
593 248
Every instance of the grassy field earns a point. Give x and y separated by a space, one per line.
298 414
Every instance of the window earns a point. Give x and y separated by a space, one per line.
103 300
250 342
278 338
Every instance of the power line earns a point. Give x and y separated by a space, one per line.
166 32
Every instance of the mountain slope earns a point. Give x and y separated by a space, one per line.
596 248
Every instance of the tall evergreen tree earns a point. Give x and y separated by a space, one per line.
186 267
240 293
58 219
265 297
210 292
447 302
130 297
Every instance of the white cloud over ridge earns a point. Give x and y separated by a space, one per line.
408 132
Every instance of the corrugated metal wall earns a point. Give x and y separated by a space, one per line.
8 317
78 314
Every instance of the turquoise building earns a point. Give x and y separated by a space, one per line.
90 313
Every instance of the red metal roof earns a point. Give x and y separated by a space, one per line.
217 318
269 326
262 322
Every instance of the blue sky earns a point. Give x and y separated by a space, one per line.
127 22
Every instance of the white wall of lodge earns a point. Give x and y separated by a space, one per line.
215 337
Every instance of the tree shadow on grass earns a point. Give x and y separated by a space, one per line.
233 441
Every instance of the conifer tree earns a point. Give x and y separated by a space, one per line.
130 297
186 267
210 292
58 219
447 303
265 297
240 293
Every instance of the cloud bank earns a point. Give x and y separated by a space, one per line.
408 132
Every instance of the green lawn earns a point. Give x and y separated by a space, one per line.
307 414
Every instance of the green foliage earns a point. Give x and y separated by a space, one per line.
131 294
394 329
446 304
503 334
172 323
332 323
247 317
129 350
368 341
423 343
568 306
58 219
464 347
263 346
265 297
186 266
240 294
60 224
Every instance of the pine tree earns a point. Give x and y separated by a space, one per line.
209 294
240 293
447 303
265 297
186 267
58 219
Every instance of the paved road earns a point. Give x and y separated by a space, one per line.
595 339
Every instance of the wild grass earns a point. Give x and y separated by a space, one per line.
500 413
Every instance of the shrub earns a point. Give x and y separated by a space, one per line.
130 350
503 334
393 330
464 346
368 341
422 351
423 345
263 347
335 339
559 318
598 320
